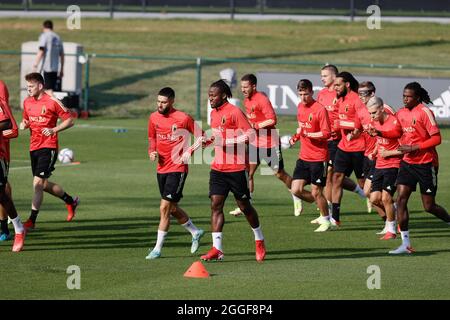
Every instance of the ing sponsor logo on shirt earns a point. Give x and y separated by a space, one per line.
305 124
37 119
408 129
168 137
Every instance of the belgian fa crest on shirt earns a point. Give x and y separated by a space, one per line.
43 110
174 128
310 117
224 119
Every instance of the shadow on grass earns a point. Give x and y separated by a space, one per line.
427 43
101 95
334 253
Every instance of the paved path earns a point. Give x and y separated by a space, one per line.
210 16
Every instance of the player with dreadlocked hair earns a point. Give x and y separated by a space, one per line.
420 137
231 131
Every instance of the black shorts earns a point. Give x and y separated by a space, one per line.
347 162
51 81
43 162
221 183
332 148
384 179
4 170
368 168
424 174
272 156
312 172
171 185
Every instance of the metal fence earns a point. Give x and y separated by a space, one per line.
347 7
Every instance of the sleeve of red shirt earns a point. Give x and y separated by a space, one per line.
14 131
61 110
4 94
151 136
244 131
360 109
269 114
351 124
324 123
24 112
433 141
429 121
393 134
3 114
198 133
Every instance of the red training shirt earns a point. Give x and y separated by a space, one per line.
391 125
328 99
229 122
10 133
418 125
262 118
348 107
169 135
43 113
315 130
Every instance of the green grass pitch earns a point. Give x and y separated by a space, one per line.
117 221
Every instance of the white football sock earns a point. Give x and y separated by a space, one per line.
405 238
190 226
18 226
258 233
217 240
359 191
160 240
390 225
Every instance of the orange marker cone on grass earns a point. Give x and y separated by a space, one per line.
197 270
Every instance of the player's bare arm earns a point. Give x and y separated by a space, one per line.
66 124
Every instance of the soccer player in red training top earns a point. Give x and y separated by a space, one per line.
420 136
230 132
40 115
387 130
8 126
366 91
266 145
169 132
313 132
327 98
350 153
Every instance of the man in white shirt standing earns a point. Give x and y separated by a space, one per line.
51 52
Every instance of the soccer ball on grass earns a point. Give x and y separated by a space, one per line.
66 155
